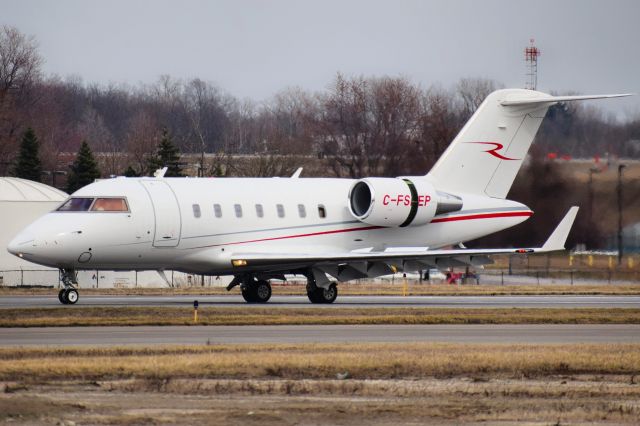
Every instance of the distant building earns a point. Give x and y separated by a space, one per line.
21 202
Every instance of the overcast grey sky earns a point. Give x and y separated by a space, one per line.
255 48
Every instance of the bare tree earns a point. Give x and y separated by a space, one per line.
439 122
368 126
241 135
286 123
19 70
395 120
341 126
19 62
206 107
141 141
473 91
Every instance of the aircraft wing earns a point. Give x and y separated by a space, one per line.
370 263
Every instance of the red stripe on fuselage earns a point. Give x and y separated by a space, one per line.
311 234
369 228
481 216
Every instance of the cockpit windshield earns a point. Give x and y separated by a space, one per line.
76 205
110 205
106 204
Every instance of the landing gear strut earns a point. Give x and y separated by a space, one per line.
69 294
255 291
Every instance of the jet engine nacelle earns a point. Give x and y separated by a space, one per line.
403 201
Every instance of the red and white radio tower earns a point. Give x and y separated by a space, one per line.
531 54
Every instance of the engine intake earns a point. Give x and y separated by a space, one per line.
399 201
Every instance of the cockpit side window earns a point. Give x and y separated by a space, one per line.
111 204
76 204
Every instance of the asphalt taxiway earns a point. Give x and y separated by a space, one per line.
552 301
198 335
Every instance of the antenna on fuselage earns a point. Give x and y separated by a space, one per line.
297 173
160 172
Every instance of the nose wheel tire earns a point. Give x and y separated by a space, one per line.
72 296
68 296
321 295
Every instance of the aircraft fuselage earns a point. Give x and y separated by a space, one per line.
196 224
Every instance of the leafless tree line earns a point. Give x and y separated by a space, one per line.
360 126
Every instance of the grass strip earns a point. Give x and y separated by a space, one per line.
351 289
132 316
314 361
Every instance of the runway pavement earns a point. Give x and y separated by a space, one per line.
152 335
555 301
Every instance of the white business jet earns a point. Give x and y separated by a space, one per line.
325 229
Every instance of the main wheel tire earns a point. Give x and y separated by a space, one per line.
61 296
313 295
262 291
320 295
248 294
71 296
330 294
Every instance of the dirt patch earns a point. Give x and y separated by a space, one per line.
462 400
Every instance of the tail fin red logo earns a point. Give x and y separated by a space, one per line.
494 151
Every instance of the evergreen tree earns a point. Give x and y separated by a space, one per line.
131 172
84 169
28 165
168 156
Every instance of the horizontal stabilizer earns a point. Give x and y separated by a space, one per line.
559 236
552 99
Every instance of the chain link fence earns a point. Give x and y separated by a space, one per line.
30 278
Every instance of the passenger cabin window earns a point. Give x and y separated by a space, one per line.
76 204
217 210
259 210
238 209
322 212
110 205
302 211
280 209
196 210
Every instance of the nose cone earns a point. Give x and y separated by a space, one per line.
21 244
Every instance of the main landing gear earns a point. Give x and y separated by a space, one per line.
258 289
318 294
69 294
255 291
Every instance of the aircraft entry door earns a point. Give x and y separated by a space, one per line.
166 212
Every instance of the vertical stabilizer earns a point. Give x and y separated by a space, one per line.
486 155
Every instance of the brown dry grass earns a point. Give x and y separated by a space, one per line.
387 384
364 361
107 316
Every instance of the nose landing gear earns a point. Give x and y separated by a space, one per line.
69 294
